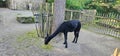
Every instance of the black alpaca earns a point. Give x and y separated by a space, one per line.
65 27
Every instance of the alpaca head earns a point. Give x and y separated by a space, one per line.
46 41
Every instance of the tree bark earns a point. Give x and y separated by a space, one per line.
59 13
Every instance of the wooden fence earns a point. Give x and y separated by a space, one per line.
108 23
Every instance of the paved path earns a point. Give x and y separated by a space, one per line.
89 43
10 29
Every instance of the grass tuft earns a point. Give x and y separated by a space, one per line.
47 47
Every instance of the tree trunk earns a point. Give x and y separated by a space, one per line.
59 13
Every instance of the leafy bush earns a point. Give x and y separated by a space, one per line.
50 1
74 4
104 6
77 4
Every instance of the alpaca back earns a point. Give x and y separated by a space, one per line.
75 24
69 26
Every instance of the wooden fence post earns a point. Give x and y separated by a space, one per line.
71 15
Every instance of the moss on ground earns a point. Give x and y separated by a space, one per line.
47 47
31 39
28 35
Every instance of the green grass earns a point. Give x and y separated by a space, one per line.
28 35
47 47
31 39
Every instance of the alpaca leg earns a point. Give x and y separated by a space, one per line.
64 42
74 40
74 37
65 36
77 35
66 45
64 39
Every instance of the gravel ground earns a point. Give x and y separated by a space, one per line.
89 43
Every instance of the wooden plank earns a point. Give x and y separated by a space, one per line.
116 52
73 10
52 8
107 18
119 54
79 12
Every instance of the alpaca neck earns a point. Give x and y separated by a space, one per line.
47 40
54 34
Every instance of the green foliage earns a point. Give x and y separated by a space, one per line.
117 2
77 4
105 6
74 4
49 1
99 7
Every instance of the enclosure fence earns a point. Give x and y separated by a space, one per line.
104 23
